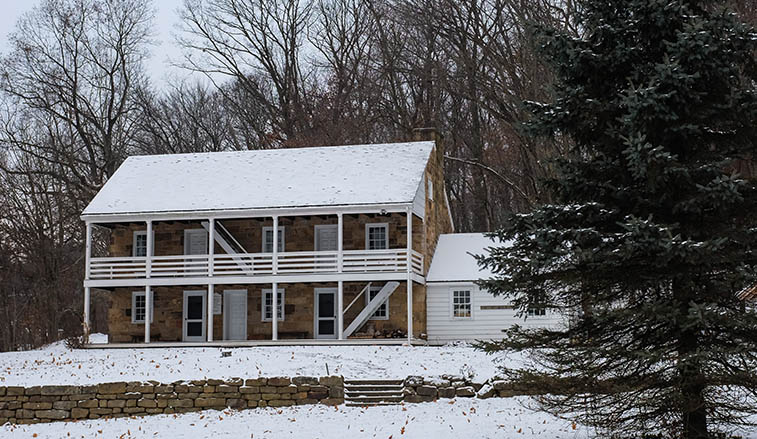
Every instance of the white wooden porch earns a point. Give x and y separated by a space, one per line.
224 266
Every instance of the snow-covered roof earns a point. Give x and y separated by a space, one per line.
277 178
453 259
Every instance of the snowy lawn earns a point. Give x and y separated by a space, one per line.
459 418
56 364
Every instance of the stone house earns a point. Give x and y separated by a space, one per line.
192 257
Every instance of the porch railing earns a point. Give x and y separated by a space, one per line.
256 264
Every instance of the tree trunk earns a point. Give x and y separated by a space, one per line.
693 408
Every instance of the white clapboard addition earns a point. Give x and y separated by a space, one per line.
454 268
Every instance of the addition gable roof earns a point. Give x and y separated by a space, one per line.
377 174
454 261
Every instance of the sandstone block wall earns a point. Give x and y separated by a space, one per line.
421 389
299 312
28 405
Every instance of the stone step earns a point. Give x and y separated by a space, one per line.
373 399
351 393
373 388
369 404
374 382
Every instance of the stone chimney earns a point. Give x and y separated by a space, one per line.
432 134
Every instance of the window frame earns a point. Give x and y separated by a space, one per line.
536 312
452 292
263 238
134 295
368 227
385 304
136 234
430 187
263 294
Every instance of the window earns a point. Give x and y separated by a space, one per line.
140 244
267 303
430 188
138 307
268 239
377 236
382 312
462 304
539 311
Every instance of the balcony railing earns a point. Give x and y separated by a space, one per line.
256 264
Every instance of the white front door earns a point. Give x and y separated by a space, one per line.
195 310
235 315
325 313
326 238
195 242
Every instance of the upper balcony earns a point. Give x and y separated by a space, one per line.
322 248
230 267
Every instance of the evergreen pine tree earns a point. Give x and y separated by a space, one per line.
654 230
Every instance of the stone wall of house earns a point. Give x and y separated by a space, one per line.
437 219
26 405
299 311
424 389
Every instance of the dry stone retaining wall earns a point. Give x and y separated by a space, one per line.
421 389
27 405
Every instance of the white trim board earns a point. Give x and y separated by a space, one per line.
250 280
246 213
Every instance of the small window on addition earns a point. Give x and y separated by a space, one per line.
538 311
461 304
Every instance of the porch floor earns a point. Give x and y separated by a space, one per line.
249 343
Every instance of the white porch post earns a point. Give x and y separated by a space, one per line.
148 270
275 289
211 253
87 256
340 242
340 289
409 274
340 310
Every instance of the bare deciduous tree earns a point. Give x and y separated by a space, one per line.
67 122
258 44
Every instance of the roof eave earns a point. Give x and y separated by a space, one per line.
246 212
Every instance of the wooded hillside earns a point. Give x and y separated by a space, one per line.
77 100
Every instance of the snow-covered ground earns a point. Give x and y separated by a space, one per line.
56 364
457 418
